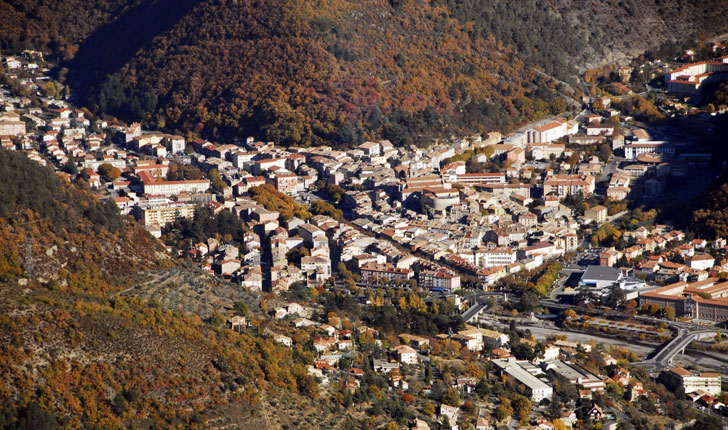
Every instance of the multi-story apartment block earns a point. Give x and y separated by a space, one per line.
564 185
372 271
442 279
162 214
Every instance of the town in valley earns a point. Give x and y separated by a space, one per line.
524 279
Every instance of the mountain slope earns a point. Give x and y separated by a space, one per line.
313 72
615 28
339 71
76 353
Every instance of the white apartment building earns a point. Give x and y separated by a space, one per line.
551 131
481 178
171 188
177 144
692 382
161 214
689 78
495 257
633 150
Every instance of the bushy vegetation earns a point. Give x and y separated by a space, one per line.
26 185
319 207
74 353
710 219
274 200
529 26
547 278
225 226
640 108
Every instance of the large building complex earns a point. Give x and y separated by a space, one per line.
677 377
690 78
634 150
441 279
536 388
551 131
704 300
171 188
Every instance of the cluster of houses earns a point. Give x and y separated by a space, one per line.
693 284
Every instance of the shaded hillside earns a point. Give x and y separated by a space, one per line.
58 26
75 354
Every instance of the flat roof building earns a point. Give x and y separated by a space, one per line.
537 389
600 277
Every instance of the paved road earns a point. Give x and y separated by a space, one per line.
616 216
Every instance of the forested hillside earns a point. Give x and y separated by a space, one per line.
76 354
328 71
338 71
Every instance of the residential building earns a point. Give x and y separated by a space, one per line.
495 257
171 188
161 214
597 214
406 354
633 150
371 272
690 78
564 185
690 382
440 280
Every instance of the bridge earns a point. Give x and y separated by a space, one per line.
473 311
663 358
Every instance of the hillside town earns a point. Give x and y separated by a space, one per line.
532 259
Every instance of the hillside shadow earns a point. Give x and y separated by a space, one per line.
113 45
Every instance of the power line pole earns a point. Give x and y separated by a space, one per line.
29 259
449 344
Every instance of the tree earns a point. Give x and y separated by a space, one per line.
707 422
429 409
320 207
451 397
559 424
109 172
616 297
528 301
241 309
70 167
521 407
34 417
501 413
216 181
119 404
604 152
669 312
294 256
